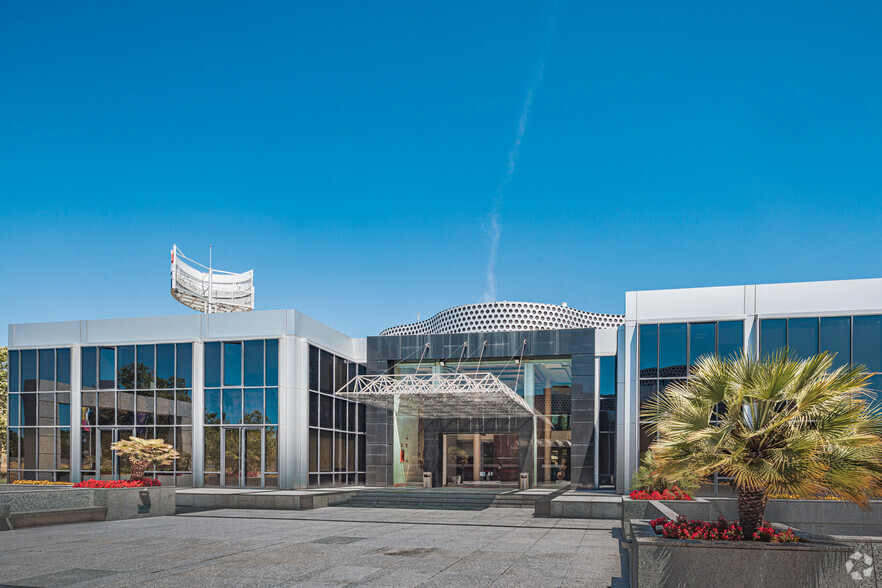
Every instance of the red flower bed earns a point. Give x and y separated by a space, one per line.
142 483
718 531
672 494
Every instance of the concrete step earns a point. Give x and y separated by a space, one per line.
444 500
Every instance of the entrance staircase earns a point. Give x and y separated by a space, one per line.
443 498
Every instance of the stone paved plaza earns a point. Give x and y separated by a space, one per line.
324 547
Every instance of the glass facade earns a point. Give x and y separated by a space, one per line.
38 435
140 390
668 352
241 416
854 339
336 425
606 424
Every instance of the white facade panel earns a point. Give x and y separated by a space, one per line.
133 330
818 298
44 334
245 325
696 303
605 341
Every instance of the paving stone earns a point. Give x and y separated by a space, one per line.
323 547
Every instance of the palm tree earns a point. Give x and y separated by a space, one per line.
776 425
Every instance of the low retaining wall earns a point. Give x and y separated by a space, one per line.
120 503
280 500
822 562
579 505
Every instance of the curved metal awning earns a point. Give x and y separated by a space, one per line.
451 395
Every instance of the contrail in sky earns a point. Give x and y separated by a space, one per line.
493 226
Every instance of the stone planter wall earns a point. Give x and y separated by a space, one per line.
823 561
136 503
121 503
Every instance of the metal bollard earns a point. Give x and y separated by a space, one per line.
525 482
427 479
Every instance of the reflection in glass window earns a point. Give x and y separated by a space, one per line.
272 362
213 364
272 406
702 341
14 371
648 351
184 365
232 406
672 350
253 405
106 368
730 338
773 335
212 406
835 337
232 364
165 365
326 369
253 363
89 362
62 372
145 367
802 337
125 367
868 342
29 370
47 369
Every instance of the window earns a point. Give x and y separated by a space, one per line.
241 405
336 425
39 415
606 446
664 349
142 390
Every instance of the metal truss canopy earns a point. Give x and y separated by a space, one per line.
452 395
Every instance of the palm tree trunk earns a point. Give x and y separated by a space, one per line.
751 510
138 468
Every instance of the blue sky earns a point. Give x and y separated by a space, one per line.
357 155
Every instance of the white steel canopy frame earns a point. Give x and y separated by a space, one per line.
452 395
212 290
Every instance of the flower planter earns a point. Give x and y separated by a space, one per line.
818 561
136 503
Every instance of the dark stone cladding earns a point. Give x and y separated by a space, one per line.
577 344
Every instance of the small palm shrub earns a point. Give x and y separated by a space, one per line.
649 479
775 425
142 453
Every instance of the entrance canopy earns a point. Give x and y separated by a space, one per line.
451 395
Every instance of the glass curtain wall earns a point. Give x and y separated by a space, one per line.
336 425
854 339
241 415
668 352
606 422
550 397
544 384
137 390
38 433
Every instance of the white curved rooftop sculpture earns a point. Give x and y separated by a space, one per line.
507 316
211 290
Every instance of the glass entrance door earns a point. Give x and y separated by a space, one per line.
243 457
110 466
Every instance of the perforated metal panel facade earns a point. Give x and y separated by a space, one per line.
507 316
